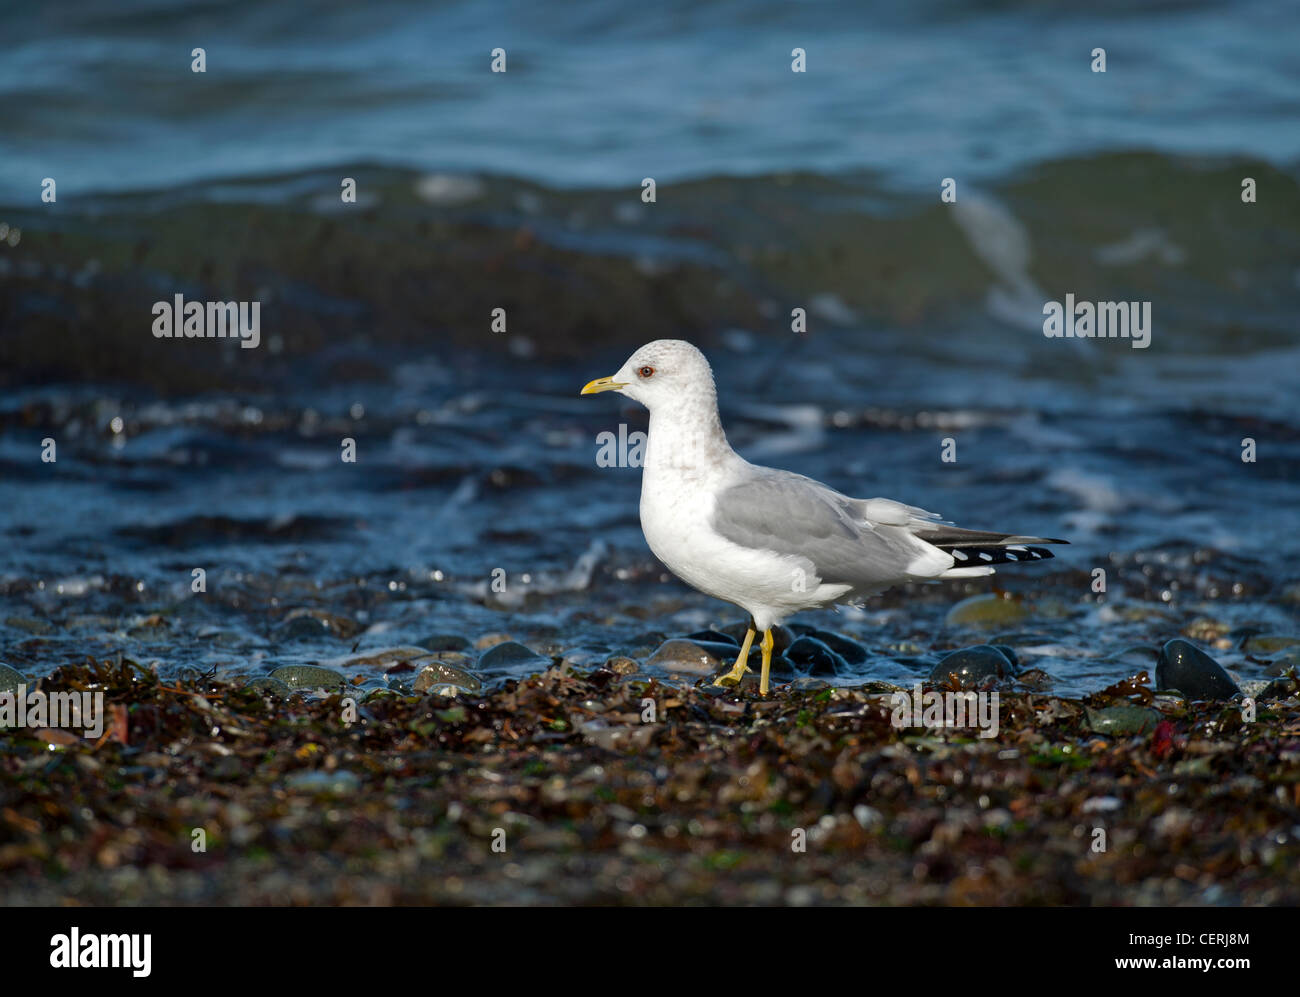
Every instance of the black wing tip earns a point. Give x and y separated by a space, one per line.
979 555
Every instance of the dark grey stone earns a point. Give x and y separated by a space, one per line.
1184 667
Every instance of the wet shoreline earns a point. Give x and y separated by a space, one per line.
478 579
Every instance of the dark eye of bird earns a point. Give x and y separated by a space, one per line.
646 371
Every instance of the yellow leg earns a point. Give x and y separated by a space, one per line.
766 648
734 676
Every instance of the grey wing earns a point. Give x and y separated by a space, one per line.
797 516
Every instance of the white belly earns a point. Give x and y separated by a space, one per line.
676 508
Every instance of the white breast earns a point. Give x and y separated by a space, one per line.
677 504
687 463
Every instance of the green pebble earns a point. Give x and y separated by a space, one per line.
308 677
986 610
1122 721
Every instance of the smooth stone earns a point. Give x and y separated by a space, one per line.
440 674
713 637
986 610
308 677
694 657
973 666
10 678
1007 653
815 657
1186 668
1267 645
384 657
267 684
1122 721
488 641
511 654
445 642
851 651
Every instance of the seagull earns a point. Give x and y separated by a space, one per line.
773 542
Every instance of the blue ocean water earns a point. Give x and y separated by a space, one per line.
101 96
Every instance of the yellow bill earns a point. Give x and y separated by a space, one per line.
602 384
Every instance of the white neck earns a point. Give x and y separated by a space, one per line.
687 435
